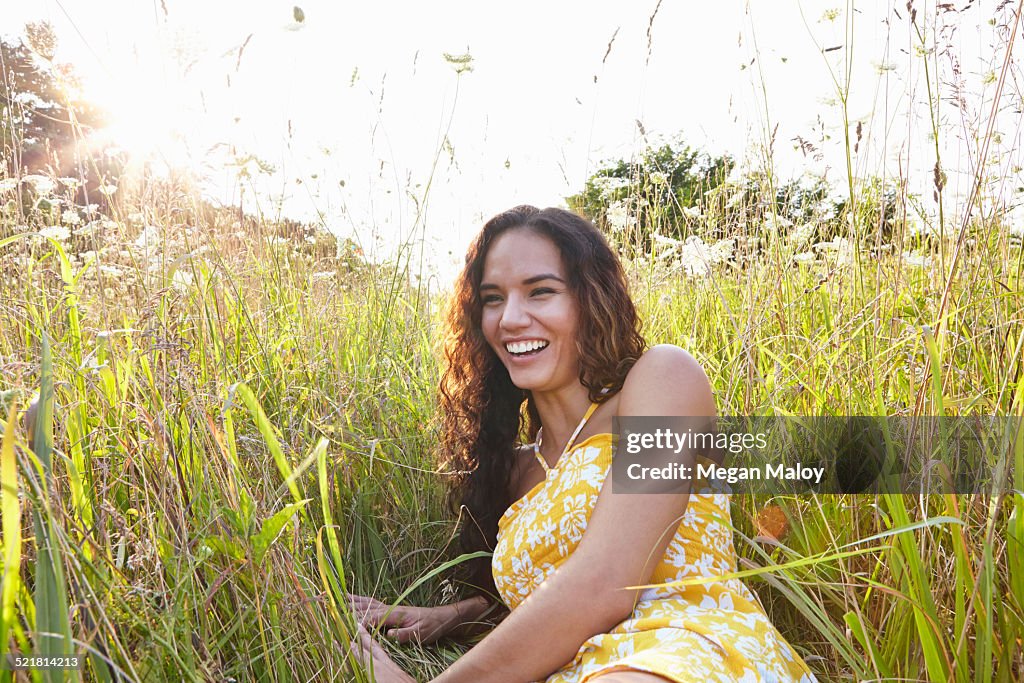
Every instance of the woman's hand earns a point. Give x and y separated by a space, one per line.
423 625
373 658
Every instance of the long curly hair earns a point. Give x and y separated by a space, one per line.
485 417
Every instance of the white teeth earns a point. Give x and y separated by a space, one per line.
523 347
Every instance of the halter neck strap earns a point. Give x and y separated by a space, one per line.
568 446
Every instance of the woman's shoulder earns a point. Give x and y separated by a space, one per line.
666 379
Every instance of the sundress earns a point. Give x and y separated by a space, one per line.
714 631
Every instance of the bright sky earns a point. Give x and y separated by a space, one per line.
361 95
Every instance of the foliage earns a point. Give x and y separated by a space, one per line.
43 117
655 193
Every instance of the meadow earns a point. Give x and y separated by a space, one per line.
235 423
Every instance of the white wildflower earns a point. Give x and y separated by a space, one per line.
182 280
108 189
734 200
324 275
844 248
149 238
665 241
57 232
89 228
112 271
801 235
87 255
692 212
136 217
40 183
695 257
70 183
723 250
20 228
805 257
607 185
8 185
776 223
915 260
70 217
279 241
619 218
1016 230
658 178
310 239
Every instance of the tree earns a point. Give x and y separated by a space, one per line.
662 192
42 114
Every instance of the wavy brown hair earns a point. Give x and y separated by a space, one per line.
484 418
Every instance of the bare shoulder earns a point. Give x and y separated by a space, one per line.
667 380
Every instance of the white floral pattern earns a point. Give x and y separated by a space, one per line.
716 631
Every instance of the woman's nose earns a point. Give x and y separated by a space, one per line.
514 315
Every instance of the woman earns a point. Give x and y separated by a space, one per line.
541 316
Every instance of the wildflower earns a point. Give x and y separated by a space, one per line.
695 257
108 189
40 183
8 185
112 271
619 217
915 260
775 223
325 275
801 235
658 178
844 248
89 228
692 212
57 232
149 238
70 183
71 217
182 280
608 185
805 257
723 250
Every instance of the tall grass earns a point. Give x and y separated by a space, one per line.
234 422
245 433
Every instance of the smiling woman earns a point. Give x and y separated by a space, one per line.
544 340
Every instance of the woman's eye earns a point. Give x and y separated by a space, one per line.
542 290
491 298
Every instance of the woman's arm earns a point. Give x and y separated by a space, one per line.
625 539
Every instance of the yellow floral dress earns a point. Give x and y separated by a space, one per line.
714 631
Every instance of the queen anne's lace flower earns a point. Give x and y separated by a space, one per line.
57 232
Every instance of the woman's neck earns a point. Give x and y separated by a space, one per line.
560 413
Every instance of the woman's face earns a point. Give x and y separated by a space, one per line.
529 313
